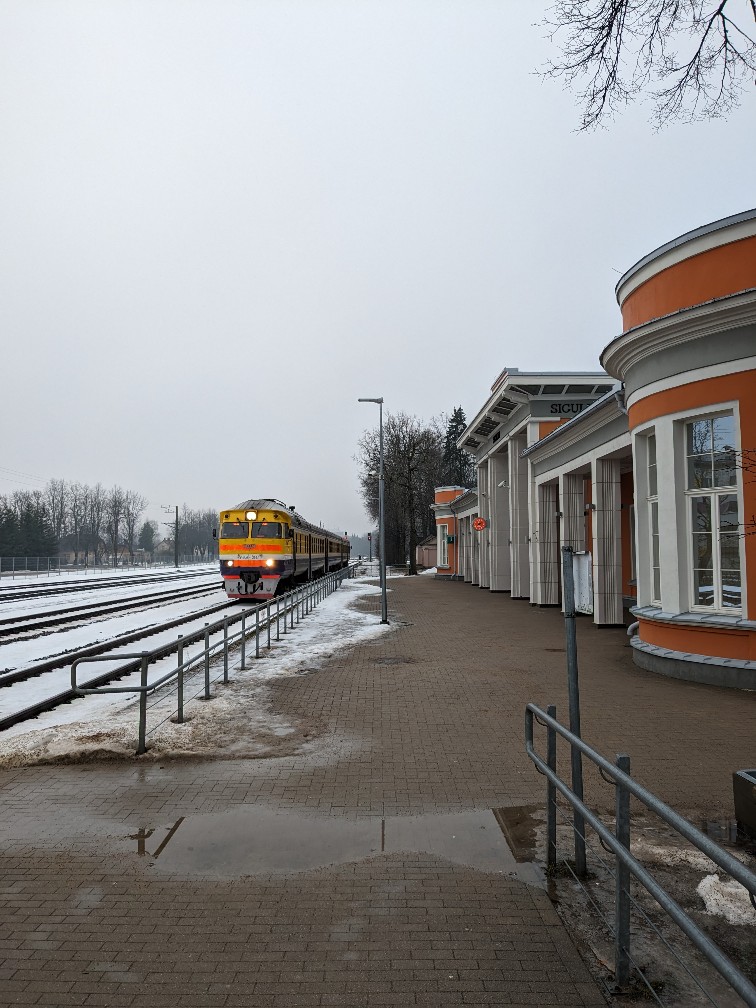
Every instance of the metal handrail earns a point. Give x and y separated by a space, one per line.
619 846
311 593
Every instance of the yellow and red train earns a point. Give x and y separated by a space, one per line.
265 546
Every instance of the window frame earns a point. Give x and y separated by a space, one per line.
713 494
442 546
652 508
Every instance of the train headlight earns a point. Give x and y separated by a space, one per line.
251 515
229 563
270 563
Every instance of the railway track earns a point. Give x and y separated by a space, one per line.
16 593
16 627
54 687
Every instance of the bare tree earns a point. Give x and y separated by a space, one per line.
57 494
95 519
412 453
77 515
692 56
115 506
133 506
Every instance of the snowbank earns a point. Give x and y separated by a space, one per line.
238 722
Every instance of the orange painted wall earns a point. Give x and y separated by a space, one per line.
740 387
548 426
713 641
444 496
627 498
451 549
720 271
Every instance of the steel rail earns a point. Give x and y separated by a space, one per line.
299 601
721 963
25 623
16 593
59 661
65 696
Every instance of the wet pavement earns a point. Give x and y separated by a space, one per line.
388 862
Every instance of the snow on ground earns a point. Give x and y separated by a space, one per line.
70 577
42 605
238 722
728 899
22 653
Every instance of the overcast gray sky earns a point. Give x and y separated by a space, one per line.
223 222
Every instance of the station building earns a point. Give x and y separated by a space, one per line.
647 469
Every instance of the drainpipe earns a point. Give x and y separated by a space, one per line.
632 630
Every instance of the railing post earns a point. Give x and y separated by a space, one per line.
278 619
207 663
622 882
142 746
285 614
267 613
243 641
180 710
574 702
257 632
225 649
551 806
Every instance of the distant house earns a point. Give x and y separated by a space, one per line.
71 550
425 552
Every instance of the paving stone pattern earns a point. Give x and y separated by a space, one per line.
427 719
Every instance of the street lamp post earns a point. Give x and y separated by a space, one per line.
381 529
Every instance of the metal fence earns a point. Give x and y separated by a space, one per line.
617 842
250 630
13 567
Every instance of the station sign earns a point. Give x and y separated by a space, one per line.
558 409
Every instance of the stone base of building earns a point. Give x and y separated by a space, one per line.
695 668
448 577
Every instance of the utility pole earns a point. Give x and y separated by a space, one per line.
175 535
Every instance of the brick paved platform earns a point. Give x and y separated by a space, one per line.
103 904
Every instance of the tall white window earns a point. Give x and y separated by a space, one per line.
653 516
442 550
712 478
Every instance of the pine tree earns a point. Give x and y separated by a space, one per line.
456 466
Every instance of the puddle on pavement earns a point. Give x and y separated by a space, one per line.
519 827
727 833
255 840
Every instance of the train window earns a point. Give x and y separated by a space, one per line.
234 530
266 530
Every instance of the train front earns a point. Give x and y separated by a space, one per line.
256 552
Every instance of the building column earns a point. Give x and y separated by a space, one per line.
484 511
519 518
607 542
546 538
499 526
572 497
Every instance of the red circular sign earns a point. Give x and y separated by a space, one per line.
479 524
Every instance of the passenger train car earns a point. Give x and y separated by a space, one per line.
265 547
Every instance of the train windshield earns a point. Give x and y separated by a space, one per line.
235 530
266 530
